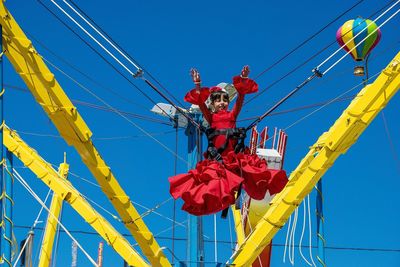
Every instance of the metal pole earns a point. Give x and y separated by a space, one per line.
8 209
195 248
29 250
320 226
2 148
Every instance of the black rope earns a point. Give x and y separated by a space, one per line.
308 60
176 107
102 57
58 239
149 74
218 241
103 108
307 40
288 74
123 50
82 73
174 206
280 102
141 68
341 99
317 73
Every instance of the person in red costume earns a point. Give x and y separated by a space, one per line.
212 186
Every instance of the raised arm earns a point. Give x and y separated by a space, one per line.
199 95
240 82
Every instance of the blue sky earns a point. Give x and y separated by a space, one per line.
217 37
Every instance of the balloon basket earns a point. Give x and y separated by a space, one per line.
359 71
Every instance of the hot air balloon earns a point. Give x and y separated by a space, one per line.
360 29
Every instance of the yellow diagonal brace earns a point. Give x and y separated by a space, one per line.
49 94
237 218
66 191
51 224
340 137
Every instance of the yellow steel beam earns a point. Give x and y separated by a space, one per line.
239 228
49 94
67 192
51 225
340 137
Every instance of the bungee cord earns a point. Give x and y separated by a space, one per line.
124 51
379 26
305 210
103 58
280 102
147 212
292 236
348 52
95 40
57 241
129 114
137 74
318 73
35 222
37 198
98 138
339 98
306 61
314 74
104 37
102 108
227 242
115 110
318 104
135 203
286 245
309 232
390 141
87 76
325 105
307 40
188 117
174 204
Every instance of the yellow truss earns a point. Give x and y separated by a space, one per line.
64 189
51 224
340 137
49 94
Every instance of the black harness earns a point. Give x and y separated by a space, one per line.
229 133
215 153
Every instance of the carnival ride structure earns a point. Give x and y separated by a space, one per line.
28 63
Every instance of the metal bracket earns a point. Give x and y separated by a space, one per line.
139 73
317 72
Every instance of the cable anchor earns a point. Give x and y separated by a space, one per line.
139 74
2 53
317 72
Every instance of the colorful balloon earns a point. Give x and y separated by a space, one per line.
353 27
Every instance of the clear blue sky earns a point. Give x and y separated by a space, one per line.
217 37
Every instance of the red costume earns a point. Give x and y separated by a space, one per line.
212 185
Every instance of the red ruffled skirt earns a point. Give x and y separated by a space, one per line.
257 178
207 189
211 186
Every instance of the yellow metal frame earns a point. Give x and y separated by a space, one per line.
51 224
340 137
239 228
49 94
67 192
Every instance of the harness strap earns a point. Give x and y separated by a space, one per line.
215 154
230 133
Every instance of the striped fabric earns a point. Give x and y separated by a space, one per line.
363 27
